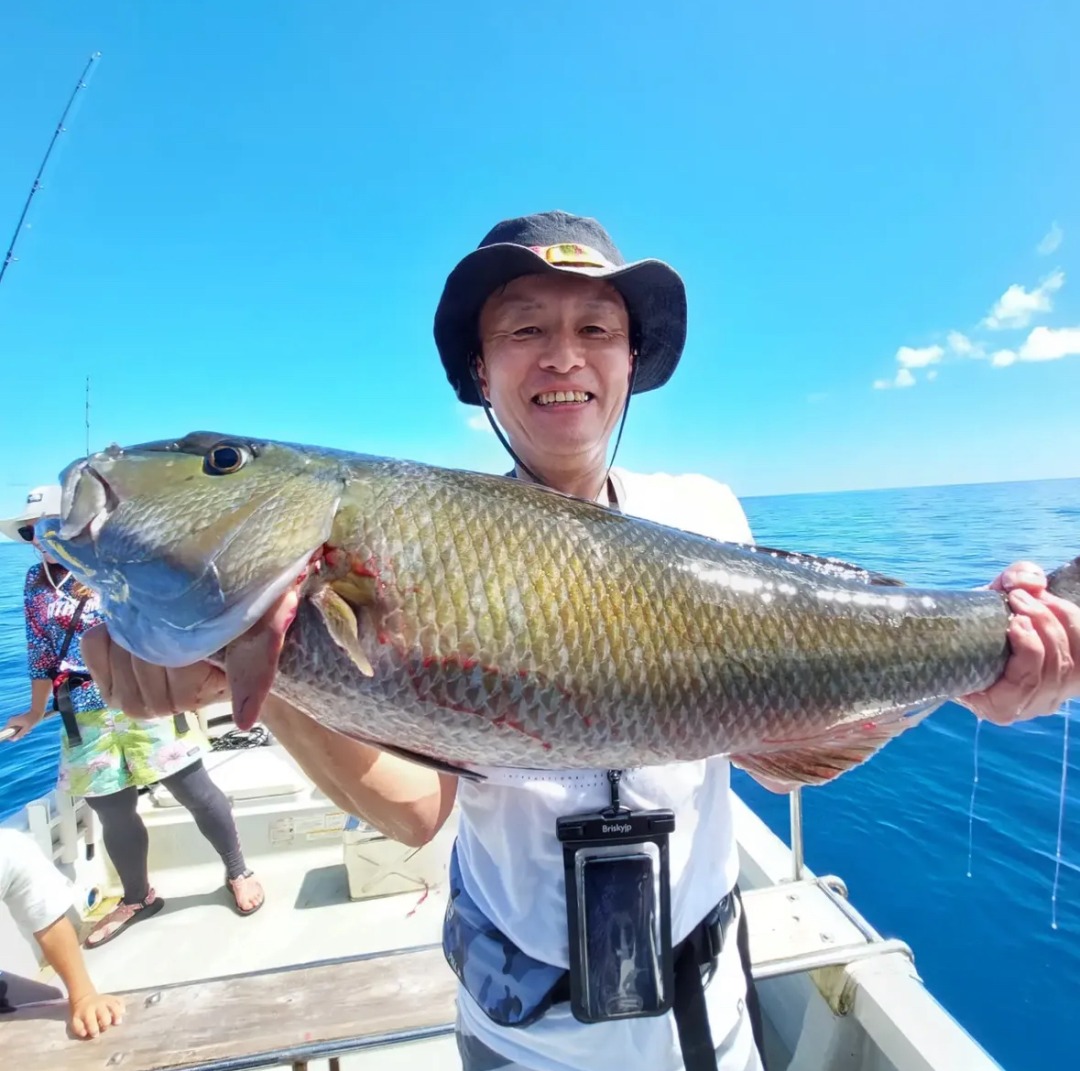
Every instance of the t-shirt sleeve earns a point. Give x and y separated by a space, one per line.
35 892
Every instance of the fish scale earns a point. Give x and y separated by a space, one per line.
656 633
501 624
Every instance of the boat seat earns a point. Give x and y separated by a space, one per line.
251 773
321 1010
329 1008
806 925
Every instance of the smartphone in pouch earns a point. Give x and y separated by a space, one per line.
620 925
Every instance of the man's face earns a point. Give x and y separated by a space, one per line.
550 337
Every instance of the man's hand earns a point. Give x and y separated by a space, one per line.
142 690
1044 667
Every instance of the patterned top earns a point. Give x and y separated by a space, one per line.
48 615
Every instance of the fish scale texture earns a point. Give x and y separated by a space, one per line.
510 626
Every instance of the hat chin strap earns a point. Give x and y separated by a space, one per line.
510 450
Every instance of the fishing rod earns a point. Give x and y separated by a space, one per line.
81 84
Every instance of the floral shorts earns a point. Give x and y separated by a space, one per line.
119 752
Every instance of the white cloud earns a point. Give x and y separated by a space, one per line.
932 374
1051 344
1003 358
918 358
962 346
817 396
479 422
903 379
1016 306
1051 240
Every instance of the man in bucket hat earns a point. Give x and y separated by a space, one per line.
548 328
551 331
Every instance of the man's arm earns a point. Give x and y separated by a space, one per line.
402 799
406 801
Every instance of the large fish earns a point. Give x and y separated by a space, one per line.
470 620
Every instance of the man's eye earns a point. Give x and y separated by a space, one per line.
593 329
523 331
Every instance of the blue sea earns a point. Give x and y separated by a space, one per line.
896 828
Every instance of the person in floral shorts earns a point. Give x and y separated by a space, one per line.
106 756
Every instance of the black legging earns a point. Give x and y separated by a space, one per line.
128 843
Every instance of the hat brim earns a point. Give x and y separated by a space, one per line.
653 291
10 527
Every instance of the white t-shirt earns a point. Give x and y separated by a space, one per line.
512 865
35 892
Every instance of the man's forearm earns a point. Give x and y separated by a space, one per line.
401 799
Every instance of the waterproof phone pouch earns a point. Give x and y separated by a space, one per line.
618 913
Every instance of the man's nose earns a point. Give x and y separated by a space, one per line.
564 353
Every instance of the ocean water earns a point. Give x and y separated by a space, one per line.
896 828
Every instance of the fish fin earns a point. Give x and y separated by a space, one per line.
822 759
835 567
356 590
341 624
427 760
251 660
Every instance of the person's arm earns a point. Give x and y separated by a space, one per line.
402 799
40 694
405 801
39 898
90 1012
41 661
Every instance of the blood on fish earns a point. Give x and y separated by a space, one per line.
505 720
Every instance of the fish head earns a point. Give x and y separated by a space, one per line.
188 542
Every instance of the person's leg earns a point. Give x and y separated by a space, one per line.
126 840
194 789
128 844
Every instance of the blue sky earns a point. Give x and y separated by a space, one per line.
247 226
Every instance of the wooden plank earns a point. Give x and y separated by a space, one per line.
244 1021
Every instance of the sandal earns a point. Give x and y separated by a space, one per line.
234 885
121 917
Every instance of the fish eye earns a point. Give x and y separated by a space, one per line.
224 459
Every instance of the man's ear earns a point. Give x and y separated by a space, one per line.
481 378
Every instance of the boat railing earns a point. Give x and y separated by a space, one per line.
795 804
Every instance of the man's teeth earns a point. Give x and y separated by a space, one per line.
552 396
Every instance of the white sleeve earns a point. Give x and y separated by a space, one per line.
35 892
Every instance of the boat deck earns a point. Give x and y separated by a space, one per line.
362 983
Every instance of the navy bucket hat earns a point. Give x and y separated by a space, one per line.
551 242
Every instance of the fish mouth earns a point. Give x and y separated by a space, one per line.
86 501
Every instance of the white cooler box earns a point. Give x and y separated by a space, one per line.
379 866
